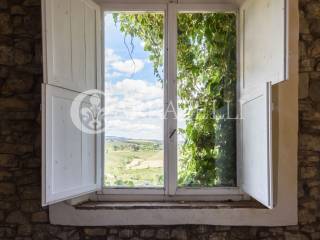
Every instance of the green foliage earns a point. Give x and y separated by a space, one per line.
206 58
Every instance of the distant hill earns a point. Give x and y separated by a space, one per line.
123 139
114 138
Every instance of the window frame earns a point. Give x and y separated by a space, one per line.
285 212
170 191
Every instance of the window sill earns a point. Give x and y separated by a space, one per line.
243 213
168 205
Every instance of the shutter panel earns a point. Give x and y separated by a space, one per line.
256 163
70 154
263 63
72 33
71 42
263 42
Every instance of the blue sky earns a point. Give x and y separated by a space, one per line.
134 96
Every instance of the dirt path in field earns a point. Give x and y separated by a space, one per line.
138 163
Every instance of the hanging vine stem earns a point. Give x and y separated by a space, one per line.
130 52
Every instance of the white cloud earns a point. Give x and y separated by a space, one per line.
135 109
138 89
128 66
111 56
131 127
113 74
135 99
121 66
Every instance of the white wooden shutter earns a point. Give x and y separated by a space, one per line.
263 41
263 61
256 132
72 35
72 65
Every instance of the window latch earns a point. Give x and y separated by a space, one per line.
172 133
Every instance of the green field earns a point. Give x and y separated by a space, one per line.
133 163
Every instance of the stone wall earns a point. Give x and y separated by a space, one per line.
21 216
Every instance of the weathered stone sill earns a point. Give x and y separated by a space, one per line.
169 205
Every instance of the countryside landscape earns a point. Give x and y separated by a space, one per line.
133 162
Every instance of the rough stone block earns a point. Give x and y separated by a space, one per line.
314 50
126 233
8 161
95 231
40 217
6 55
7 188
3 4
303 85
25 230
5 24
147 233
313 10
163 234
16 217
179 234
314 90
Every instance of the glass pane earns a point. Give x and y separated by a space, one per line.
134 101
206 76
